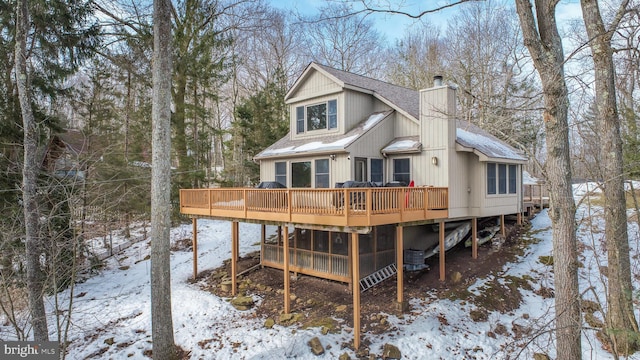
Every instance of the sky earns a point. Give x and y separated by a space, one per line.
112 318
393 26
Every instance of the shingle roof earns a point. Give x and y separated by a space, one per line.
329 143
471 136
404 98
400 98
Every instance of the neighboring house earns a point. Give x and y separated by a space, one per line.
64 155
348 131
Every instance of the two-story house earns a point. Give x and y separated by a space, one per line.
354 145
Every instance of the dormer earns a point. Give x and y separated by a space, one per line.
322 103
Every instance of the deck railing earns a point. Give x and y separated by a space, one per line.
341 207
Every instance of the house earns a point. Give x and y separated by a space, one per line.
354 145
64 154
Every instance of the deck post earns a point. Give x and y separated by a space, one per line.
263 240
474 238
355 280
234 257
399 265
285 254
442 250
194 223
502 227
519 217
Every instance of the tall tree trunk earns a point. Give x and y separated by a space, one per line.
33 242
545 45
621 325
161 319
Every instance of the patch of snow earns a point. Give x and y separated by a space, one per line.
373 120
489 147
116 304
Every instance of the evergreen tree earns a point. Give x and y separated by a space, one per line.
261 120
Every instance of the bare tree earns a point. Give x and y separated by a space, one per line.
417 57
343 40
161 319
29 179
621 325
541 37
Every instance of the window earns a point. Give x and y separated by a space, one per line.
301 174
361 169
281 173
333 114
502 179
299 119
323 116
401 171
491 178
376 171
317 117
322 173
513 177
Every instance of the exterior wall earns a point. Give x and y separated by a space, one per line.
312 101
268 168
315 85
355 108
404 126
482 204
463 184
437 134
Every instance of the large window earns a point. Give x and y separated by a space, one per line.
502 179
281 173
322 173
402 171
321 116
301 174
376 171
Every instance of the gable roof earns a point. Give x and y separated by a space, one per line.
406 101
400 98
286 147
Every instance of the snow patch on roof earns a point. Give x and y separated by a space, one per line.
312 146
403 145
374 119
488 145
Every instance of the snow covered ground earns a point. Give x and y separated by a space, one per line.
111 311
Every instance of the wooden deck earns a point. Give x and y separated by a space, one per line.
347 207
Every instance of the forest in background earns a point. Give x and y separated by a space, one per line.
90 63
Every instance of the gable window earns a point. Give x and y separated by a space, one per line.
323 116
322 173
301 174
333 114
299 119
281 173
402 171
376 171
502 179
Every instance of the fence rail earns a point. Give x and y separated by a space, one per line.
341 207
